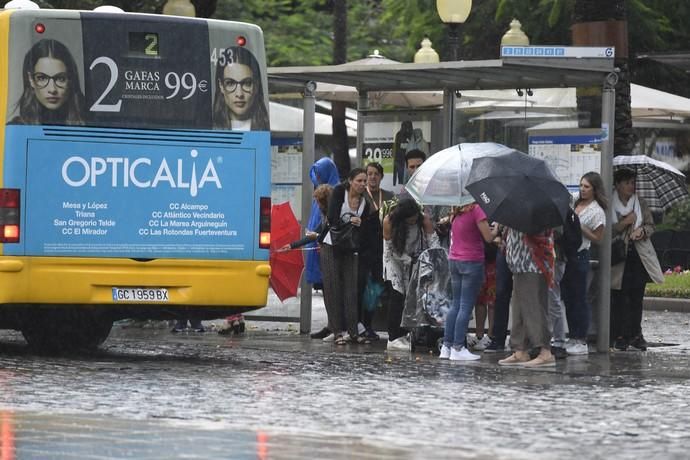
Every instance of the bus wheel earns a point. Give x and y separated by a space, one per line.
56 331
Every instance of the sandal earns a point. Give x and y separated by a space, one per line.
513 360
340 340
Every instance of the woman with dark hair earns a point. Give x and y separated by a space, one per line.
632 221
52 94
406 233
340 265
590 208
240 102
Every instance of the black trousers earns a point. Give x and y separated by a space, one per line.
626 303
504 291
339 270
396 305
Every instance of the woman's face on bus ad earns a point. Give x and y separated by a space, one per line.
238 88
50 82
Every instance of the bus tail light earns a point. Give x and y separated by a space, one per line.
265 222
9 215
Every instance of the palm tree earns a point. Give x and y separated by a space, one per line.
340 141
594 21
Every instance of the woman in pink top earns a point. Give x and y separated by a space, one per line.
469 229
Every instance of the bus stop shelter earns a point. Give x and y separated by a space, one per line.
453 78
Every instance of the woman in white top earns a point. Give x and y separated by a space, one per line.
590 208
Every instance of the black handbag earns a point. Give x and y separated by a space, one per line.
345 236
618 251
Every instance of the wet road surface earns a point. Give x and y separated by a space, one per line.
274 394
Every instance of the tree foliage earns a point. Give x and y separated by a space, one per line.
300 32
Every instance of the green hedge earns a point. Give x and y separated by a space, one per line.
676 285
678 217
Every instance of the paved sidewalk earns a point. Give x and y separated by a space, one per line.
665 320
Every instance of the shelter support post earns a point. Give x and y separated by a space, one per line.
449 100
362 104
308 143
608 111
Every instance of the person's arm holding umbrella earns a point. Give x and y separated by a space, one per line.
308 238
321 195
489 232
623 223
645 230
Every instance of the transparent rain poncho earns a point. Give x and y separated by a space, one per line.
429 293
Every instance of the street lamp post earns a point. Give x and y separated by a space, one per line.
453 13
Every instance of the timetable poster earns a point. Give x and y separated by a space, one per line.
569 152
286 174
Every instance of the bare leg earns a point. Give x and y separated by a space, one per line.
480 320
490 316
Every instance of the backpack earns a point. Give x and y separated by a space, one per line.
570 238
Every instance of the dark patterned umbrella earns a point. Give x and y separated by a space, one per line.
659 184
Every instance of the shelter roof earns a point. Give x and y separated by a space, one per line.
680 59
457 75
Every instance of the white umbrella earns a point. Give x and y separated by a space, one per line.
658 183
441 179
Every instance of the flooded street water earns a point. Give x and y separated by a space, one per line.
211 392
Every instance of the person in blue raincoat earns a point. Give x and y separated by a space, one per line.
323 171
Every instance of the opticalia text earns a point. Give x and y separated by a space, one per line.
139 172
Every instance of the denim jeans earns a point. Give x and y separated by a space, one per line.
574 295
466 278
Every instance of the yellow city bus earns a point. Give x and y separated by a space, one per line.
134 171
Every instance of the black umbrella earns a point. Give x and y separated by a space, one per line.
519 191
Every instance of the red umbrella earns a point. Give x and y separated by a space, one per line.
287 266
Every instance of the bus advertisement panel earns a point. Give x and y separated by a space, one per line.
97 69
135 156
169 199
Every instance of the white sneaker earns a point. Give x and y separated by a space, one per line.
471 340
482 343
445 352
329 338
576 347
401 343
361 329
462 355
